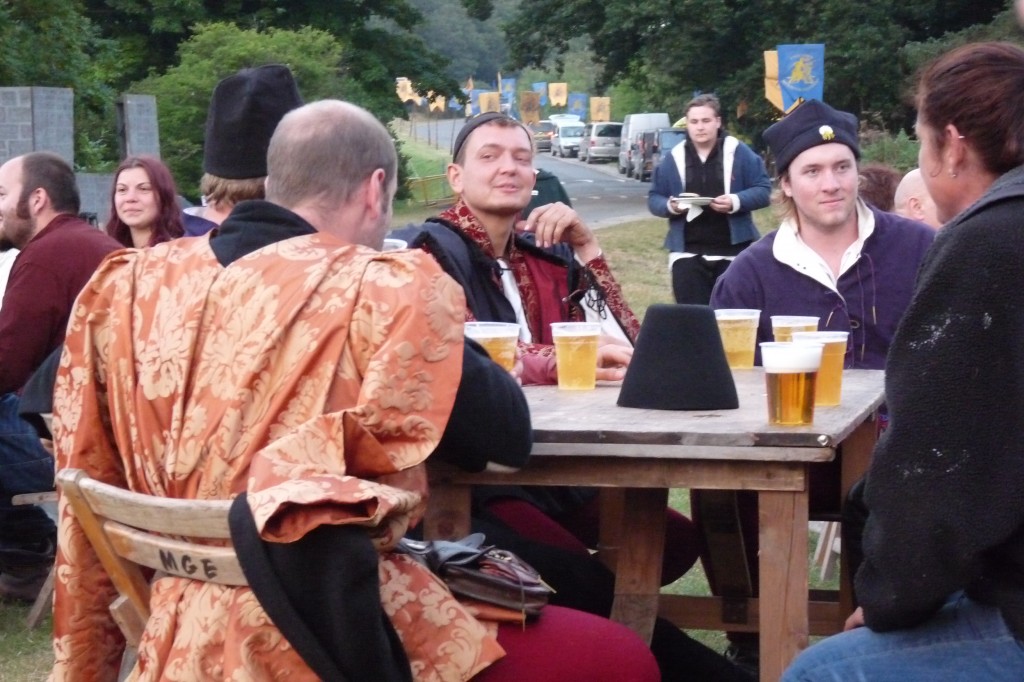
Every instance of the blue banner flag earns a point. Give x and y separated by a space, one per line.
508 90
542 88
454 104
578 104
801 72
474 102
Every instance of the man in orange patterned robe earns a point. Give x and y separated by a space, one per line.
314 373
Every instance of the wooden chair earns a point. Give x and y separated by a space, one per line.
44 602
826 553
130 531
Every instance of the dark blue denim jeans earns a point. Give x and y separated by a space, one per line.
25 467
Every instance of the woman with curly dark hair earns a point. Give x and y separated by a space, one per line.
144 207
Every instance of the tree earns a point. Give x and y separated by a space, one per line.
677 47
480 50
216 51
49 43
377 36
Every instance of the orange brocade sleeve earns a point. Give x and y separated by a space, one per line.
362 463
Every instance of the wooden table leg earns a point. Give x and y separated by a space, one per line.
447 515
638 567
613 505
857 450
784 580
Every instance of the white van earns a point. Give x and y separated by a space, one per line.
566 140
631 125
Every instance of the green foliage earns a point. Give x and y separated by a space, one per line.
627 98
49 43
480 50
898 151
216 51
673 48
1002 27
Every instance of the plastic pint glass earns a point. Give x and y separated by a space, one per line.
790 371
498 339
783 326
829 384
738 328
576 354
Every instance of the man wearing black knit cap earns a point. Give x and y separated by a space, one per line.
832 256
547 268
531 272
244 111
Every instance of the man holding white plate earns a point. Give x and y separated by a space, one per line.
707 187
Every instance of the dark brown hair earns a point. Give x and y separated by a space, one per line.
877 185
977 88
168 224
53 174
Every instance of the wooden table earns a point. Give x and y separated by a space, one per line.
584 438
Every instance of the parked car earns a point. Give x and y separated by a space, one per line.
600 141
566 140
565 118
631 125
635 153
542 134
654 145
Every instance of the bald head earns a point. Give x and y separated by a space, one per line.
913 200
322 152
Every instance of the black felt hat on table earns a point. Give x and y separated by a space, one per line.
679 362
244 111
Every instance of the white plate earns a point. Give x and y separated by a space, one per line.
696 201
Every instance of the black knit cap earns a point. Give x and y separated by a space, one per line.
679 362
244 111
810 124
471 125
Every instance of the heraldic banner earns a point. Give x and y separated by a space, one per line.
801 72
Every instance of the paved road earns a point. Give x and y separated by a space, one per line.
598 192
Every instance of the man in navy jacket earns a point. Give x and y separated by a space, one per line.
703 237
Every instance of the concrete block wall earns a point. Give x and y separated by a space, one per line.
15 122
43 119
137 117
95 191
37 119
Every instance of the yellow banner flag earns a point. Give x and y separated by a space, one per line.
404 90
772 90
558 94
529 106
490 101
600 108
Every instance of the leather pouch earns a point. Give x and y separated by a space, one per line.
482 572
